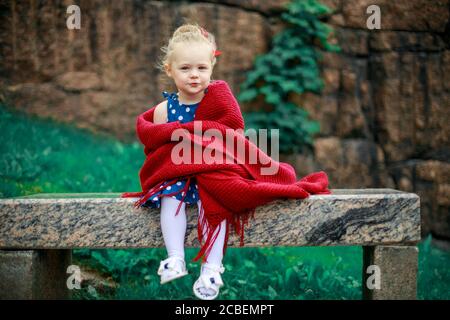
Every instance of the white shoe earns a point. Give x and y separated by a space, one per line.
172 268
208 284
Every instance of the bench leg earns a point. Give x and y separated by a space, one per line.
34 274
397 266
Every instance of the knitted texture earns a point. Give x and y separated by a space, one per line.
231 189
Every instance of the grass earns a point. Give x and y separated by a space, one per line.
251 273
43 156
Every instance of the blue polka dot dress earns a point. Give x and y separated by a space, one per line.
183 113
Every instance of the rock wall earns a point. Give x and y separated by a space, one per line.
384 112
385 109
102 76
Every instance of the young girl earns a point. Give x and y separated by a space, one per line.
230 193
189 61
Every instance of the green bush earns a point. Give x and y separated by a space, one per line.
291 66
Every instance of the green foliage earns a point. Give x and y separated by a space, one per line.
434 272
270 273
304 273
119 263
291 66
251 273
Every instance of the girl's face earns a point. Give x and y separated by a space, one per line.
191 69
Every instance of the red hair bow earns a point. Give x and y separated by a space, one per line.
206 35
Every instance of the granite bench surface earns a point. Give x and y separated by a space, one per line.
104 220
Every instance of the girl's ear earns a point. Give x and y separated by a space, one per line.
168 70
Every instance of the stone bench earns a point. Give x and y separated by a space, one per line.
38 232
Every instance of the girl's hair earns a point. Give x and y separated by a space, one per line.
188 33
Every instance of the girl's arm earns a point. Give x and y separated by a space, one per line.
160 115
145 122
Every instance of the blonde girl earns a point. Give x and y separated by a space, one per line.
189 60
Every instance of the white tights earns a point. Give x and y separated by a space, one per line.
174 230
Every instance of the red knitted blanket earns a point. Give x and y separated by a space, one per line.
230 189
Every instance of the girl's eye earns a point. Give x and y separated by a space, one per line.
184 68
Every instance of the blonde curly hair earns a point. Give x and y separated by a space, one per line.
188 33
